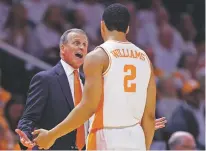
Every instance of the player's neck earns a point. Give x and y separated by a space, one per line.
117 36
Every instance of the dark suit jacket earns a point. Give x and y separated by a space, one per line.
183 120
48 103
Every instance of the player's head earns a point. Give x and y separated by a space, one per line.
116 17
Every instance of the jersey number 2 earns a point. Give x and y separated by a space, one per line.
127 78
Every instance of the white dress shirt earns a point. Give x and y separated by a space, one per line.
70 76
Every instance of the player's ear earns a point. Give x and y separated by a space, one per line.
127 30
103 29
102 26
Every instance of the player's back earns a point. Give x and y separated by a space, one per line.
125 86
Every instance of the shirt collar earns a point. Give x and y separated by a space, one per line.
67 68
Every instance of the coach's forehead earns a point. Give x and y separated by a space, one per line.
77 35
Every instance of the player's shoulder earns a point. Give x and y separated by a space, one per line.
143 52
97 52
97 55
104 44
94 60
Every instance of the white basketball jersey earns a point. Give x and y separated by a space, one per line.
125 85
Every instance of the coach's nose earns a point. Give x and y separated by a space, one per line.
81 47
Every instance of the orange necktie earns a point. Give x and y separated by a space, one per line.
80 136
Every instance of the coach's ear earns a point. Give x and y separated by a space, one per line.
127 30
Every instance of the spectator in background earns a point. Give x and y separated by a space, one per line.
165 52
147 22
14 110
148 34
61 3
182 141
188 33
71 4
2 138
163 17
79 19
158 72
168 99
17 33
8 139
81 22
17 30
45 40
92 18
146 13
5 6
200 59
35 10
185 68
189 116
5 96
156 4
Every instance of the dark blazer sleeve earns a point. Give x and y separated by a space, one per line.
35 103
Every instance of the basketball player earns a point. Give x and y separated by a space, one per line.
119 90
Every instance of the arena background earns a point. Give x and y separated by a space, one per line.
171 32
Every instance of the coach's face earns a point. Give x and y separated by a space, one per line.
75 50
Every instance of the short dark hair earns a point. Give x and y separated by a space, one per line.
64 37
116 17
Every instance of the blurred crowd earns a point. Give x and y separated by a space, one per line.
171 32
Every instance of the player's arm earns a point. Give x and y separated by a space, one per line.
93 69
148 120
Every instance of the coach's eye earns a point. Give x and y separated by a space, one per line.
76 43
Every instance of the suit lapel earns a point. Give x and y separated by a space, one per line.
63 81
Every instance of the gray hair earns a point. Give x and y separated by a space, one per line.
64 37
177 139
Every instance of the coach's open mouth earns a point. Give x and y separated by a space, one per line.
79 55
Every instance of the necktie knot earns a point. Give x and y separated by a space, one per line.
76 73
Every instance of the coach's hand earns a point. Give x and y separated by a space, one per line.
24 139
160 123
43 140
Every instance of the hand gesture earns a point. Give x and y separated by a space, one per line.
24 139
44 140
160 123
